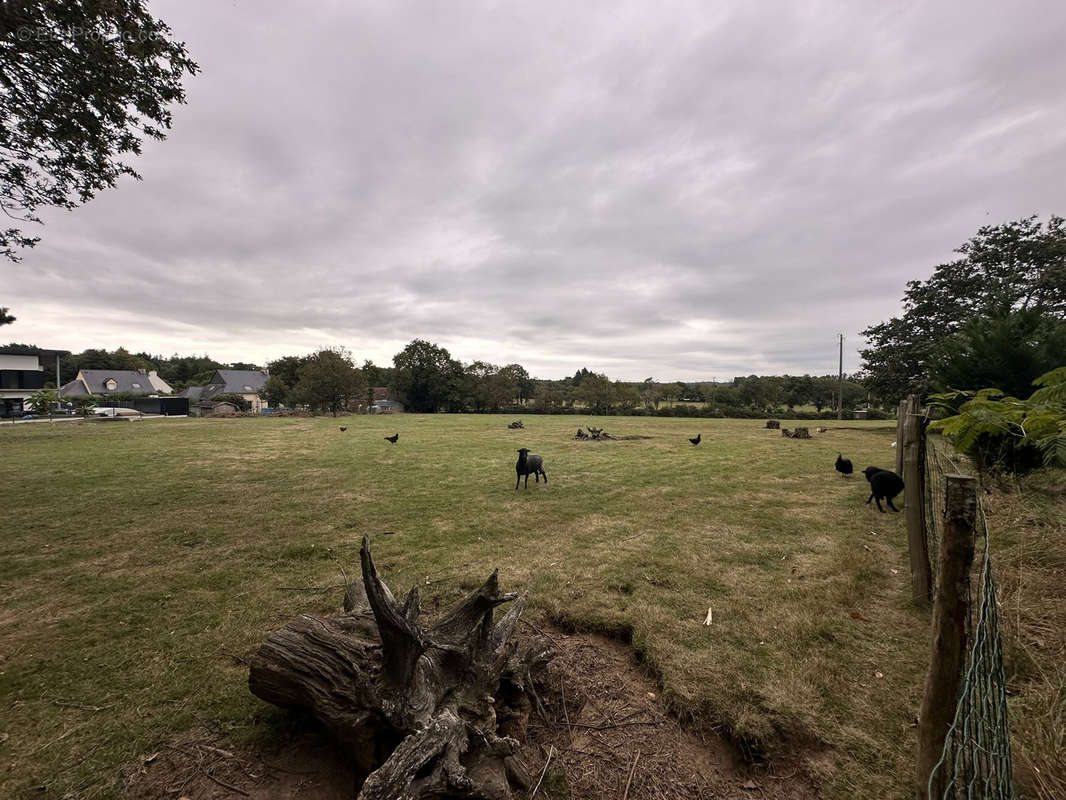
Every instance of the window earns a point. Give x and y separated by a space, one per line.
136 386
111 384
248 388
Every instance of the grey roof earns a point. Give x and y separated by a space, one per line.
192 392
126 380
73 389
95 382
235 381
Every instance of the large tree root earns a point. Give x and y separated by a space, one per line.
423 711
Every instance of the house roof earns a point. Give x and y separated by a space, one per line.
381 392
30 350
235 381
192 392
73 389
126 380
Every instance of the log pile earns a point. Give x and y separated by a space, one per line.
593 434
773 424
516 425
422 710
799 433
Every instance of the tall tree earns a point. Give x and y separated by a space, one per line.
275 392
524 386
287 368
1004 351
596 393
1016 266
650 393
329 381
80 85
426 378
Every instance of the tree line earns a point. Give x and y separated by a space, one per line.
426 378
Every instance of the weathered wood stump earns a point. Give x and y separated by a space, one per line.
801 433
593 434
516 425
422 711
773 424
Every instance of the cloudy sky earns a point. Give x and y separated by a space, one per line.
683 191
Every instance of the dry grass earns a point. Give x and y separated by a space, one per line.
143 560
1028 529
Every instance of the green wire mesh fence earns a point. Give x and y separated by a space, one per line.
976 761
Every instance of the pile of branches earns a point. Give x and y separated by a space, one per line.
593 434
799 433
517 424
773 424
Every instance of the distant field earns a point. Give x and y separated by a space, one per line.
140 558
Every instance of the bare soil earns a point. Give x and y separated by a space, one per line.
601 731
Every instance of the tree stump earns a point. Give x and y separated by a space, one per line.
786 433
773 424
419 709
801 433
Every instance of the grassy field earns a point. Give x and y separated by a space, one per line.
142 560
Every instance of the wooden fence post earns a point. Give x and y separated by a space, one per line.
901 417
913 449
951 612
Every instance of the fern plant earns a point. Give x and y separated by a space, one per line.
1002 431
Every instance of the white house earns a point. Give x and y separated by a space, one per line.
23 372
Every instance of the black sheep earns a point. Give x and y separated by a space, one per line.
844 466
529 465
883 484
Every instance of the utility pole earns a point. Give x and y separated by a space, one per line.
840 380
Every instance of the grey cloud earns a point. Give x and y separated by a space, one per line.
681 192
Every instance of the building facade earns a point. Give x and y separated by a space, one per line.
23 373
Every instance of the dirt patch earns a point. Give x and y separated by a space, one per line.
601 720
605 724
200 765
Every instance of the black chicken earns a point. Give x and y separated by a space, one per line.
696 441
392 438
843 465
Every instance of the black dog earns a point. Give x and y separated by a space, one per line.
883 485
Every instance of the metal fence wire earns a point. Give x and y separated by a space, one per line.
976 761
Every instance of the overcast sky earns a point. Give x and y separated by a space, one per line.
683 191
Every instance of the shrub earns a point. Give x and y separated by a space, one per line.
1001 432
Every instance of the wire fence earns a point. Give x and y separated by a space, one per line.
976 760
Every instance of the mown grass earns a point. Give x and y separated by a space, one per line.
142 560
